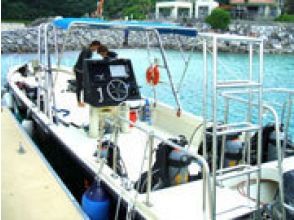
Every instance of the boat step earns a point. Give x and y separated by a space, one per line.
234 168
234 128
236 173
237 84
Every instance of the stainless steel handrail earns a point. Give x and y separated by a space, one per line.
229 95
289 207
289 103
205 168
215 86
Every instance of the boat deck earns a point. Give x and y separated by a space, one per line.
179 202
29 188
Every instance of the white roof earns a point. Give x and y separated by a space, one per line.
173 4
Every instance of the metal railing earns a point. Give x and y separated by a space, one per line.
217 85
290 92
206 186
46 67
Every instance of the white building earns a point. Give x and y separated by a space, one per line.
180 9
204 8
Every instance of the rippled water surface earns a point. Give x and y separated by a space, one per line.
278 72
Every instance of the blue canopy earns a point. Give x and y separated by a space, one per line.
162 28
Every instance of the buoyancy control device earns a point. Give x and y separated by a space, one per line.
107 152
170 167
269 149
233 149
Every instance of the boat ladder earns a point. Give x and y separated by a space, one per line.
251 86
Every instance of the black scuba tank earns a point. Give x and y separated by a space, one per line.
170 167
233 150
272 147
268 144
178 162
173 163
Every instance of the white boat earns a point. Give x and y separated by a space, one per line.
211 182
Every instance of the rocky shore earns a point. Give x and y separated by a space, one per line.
278 38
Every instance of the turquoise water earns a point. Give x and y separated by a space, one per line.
278 72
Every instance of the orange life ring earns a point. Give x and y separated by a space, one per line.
152 75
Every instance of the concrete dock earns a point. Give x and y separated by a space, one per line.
29 187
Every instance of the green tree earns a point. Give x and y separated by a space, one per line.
218 19
17 10
289 6
139 9
32 9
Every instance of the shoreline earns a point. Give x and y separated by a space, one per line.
278 38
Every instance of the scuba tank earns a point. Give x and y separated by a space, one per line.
170 167
173 163
272 147
178 163
209 147
269 149
233 150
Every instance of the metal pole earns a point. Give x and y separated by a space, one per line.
52 92
48 74
204 98
280 165
38 75
114 159
148 48
181 49
56 43
287 122
52 84
46 100
149 174
207 214
185 70
63 46
39 42
249 117
164 58
259 146
226 118
214 136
